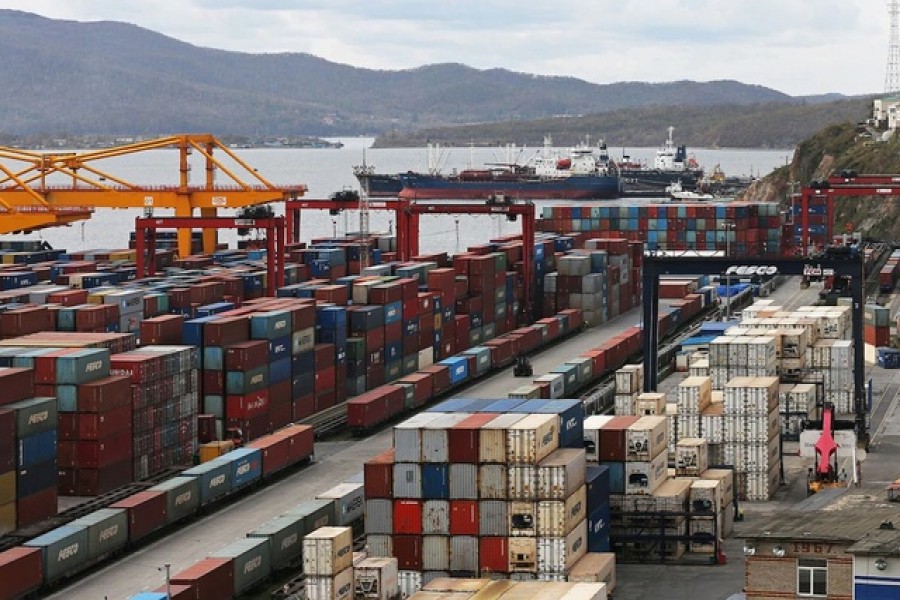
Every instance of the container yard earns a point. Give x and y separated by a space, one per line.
218 397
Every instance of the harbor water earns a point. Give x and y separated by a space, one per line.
325 171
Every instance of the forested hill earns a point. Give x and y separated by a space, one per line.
116 78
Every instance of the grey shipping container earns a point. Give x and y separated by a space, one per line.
379 545
379 516
464 553
35 415
435 444
182 497
64 550
407 480
492 482
349 502
435 553
436 517
284 534
316 513
251 561
492 518
408 437
463 481
214 478
107 530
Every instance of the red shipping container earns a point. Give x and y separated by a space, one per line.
93 482
423 386
408 551
275 450
613 446
378 475
248 406
304 406
280 415
408 517
375 406
178 591
36 507
104 394
246 356
324 399
440 377
209 578
20 572
93 426
325 377
251 428
301 439
17 384
226 331
493 555
164 329
463 438
95 454
464 517
213 382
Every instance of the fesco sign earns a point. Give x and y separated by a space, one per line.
752 270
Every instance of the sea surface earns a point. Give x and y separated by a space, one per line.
325 171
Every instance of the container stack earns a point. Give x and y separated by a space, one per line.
629 383
694 396
877 324
274 328
28 434
796 404
832 362
164 398
376 578
757 227
328 563
485 491
752 425
741 356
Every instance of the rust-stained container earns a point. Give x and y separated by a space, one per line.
408 551
522 554
613 442
209 578
557 518
435 553
436 517
522 518
532 439
408 517
463 438
523 482
561 474
492 481
379 475
328 551
492 439
20 572
146 513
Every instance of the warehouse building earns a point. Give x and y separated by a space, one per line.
824 554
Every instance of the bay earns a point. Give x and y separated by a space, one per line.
325 171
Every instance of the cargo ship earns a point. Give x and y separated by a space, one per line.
582 175
377 185
671 165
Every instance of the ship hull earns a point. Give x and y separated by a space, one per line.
650 180
576 187
380 185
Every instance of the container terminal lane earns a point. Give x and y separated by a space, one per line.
339 460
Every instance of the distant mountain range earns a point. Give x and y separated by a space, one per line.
107 78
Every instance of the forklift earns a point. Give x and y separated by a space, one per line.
522 367
824 474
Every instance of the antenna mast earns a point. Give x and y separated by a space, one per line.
892 78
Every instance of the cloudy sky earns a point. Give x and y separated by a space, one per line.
799 47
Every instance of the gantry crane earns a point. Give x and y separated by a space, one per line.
45 189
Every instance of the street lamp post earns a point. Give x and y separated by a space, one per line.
167 567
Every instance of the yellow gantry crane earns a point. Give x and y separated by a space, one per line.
45 189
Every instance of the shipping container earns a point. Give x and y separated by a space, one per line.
532 439
522 554
182 497
558 555
208 578
613 445
20 572
435 553
376 578
213 480
523 482
463 481
642 478
107 531
336 587
435 437
492 442
284 534
146 513
349 502
561 474
251 562
464 553
646 438
557 518
64 551
592 426
329 550
522 517
492 481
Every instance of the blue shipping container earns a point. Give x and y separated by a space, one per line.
36 449
459 368
435 481
246 466
571 421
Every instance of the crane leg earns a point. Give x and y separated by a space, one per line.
210 236
184 235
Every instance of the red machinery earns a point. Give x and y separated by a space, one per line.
825 472
145 241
